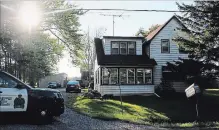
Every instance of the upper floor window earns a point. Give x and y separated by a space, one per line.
131 48
115 48
165 46
123 48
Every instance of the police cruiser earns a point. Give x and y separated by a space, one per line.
16 96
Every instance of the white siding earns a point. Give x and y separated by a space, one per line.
126 89
168 32
107 45
96 66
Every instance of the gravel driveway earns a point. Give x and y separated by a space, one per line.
71 120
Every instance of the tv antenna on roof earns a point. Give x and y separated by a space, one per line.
114 15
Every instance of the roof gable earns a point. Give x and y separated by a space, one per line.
154 33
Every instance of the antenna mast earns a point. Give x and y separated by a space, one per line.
113 15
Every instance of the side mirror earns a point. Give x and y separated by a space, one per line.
19 86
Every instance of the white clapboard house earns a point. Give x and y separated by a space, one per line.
137 64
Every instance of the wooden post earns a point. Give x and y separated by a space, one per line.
121 97
197 108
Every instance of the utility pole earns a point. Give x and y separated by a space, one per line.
113 15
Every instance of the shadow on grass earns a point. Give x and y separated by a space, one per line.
178 108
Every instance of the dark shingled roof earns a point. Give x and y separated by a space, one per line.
102 59
125 37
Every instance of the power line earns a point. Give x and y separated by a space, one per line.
128 10
131 10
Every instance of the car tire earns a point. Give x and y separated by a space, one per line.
44 117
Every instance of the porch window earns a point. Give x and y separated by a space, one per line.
140 76
96 77
127 75
144 76
131 76
165 46
123 48
148 76
115 48
123 76
105 76
109 76
131 48
113 75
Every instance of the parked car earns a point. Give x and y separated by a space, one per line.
18 97
53 85
73 86
59 85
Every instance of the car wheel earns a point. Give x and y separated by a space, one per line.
44 117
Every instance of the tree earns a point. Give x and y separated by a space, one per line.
64 25
87 56
202 41
27 56
141 31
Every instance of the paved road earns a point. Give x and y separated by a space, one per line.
71 120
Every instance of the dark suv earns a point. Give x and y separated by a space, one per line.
73 86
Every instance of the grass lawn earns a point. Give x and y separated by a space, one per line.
174 112
85 89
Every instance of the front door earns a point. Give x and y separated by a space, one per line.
12 99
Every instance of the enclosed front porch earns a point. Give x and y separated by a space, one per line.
127 80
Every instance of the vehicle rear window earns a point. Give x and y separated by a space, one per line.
73 82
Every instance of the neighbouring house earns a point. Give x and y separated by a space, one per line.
137 64
60 78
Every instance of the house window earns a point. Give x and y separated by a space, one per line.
123 76
105 76
123 48
113 75
115 48
131 76
148 76
165 46
127 76
131 48
96 77
144 76
109 76
140 76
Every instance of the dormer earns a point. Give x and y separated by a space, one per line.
120 45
